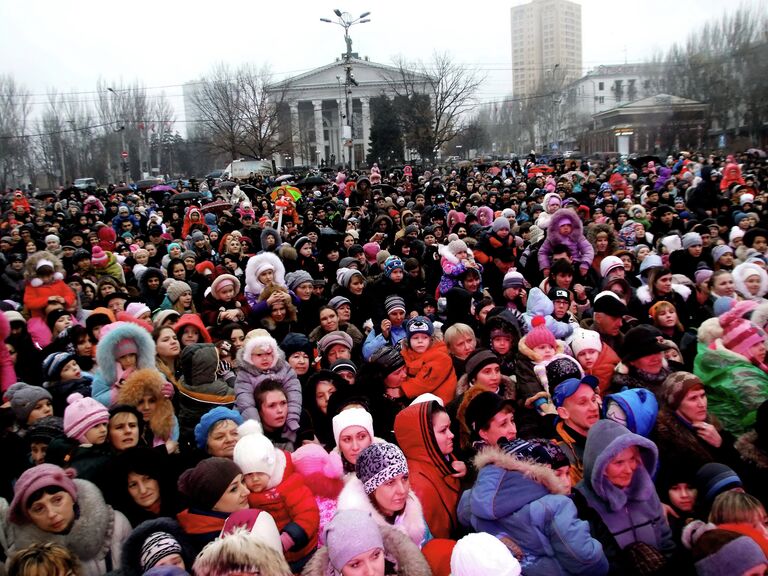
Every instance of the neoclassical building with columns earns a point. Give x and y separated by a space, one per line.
317 104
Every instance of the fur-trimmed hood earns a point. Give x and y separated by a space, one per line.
105 353
397 547
259 263
528 352
411 521
290 308
131 557
507 385
259 339
644 293
563 216
265 233
743 271
538 473
149 382
30 268
750 452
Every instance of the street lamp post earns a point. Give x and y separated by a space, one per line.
346 21
123 162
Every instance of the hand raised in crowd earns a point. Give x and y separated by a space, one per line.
708 433
386 327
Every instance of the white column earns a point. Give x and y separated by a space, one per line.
295 127
319 137
366 102
343 156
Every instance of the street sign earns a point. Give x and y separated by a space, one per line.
123 154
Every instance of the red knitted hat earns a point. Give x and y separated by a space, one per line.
540 334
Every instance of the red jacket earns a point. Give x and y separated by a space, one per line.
430 471
293 507
36 297
431 371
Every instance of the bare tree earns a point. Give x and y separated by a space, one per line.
14 142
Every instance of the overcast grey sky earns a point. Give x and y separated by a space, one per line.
70 44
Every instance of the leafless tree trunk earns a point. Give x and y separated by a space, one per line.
14 142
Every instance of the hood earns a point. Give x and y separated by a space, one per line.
105 352
562 216
256 264
270 232
745 270
416 437
131 556
150 273
538 304
199 363
192 320
605 440
640 407
148 381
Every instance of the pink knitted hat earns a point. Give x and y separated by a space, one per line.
540 334
81 415
99 257
313 459
32 480
739 335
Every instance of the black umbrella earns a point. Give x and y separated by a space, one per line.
185 196
640 160
122 189
313 181
45 194
228 185
384 188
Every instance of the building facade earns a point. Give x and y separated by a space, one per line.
546 45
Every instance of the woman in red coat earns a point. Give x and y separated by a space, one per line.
423 431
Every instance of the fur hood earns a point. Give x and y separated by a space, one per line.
750 452
397 546
259 339
144 382
30 268
105 352
270 232
745 270
444 252
131 557
91 535
290 308
563 216
411 522
528 352
507 384
259 263
644 293
544 475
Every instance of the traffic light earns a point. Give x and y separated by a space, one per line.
125 166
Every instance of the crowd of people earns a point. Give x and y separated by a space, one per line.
506 369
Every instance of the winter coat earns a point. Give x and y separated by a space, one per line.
572 444
200 389
582 251
753 464
211 308
630 377
620 518
641 302
60 391
292 506
7 372
106 377
377 291
249 379
131 555
540 305
410 521
163 424
111 268
640 408
525 501
604 367
96 537
431 473
431 371
376 340
398 549
192 320
254 288
735 405
201 526
152 298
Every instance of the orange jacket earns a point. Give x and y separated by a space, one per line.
36 297
604 367
431 371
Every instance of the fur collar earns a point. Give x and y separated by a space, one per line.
644 293
105 353
91 534
528 352
493 455
507 385
411 521
670 429
444 252
397 547
750 452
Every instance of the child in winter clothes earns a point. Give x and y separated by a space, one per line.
322 473
224 303
566 228
513 287
144 389
29 403
539 304
205 384
260 360
123 348
428 363
105 264
455 259
275 487
64 377
44 274
262 270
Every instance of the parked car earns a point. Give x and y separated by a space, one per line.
85 183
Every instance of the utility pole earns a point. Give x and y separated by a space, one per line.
346 21
123 161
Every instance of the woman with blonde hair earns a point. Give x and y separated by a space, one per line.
44 559
742 513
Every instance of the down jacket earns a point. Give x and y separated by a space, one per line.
582 251
432 371
200 389
525 501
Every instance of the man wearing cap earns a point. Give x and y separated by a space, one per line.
561 300
578 409
392 329
642 361
608 311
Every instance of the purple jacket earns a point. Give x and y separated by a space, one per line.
581 250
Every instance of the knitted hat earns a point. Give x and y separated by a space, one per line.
257 523
640 341
254 452
585 340
34 479
702 274
157 546
720 251
209 419
295 279
343 365
54 363
371 249
136 309
391 264
53 317
312 459
538 450
332 338
387 359
720 552
480 554
478 360
739 335
344 276
296 342
677 385
392 303
224 280
379 463
714 478
337 301
562 368
24 397
513 279
567 388
348 534
609 303
160 316
692 239
500 223
45 430
419 325
351 417
539 334
82 414
175 289
205 484
99 257
126 346
610 263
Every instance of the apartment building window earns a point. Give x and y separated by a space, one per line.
601 86
601 99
